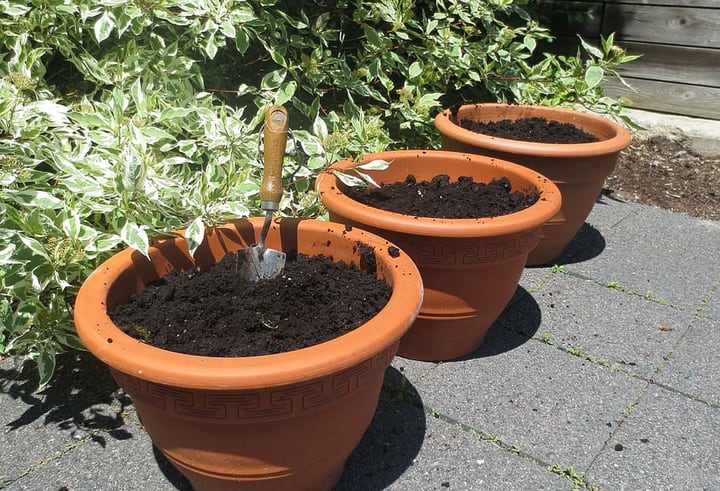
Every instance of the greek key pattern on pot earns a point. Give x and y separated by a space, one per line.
262 404
468 252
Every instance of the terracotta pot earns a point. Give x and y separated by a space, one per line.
579 170
470 267
285 421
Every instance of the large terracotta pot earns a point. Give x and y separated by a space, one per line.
470 267
579 170
285 421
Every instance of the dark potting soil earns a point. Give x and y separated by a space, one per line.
215 312
538 130
440 198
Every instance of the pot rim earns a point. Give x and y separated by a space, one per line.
613 137
328 185
128 355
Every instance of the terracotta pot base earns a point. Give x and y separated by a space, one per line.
457 313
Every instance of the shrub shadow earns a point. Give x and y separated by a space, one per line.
391 442
81 397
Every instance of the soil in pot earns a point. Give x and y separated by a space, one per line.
216 312
440 198
537 130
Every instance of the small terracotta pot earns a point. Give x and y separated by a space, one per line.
285 421
470 267
579 170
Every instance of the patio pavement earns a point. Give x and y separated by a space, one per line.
601 374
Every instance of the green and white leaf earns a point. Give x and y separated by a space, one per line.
377 164
195 234
135 236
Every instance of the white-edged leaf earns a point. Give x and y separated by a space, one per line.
6 254
235 209
171 161
195 234
90 120
71 226
35 198
414 71
530 43
320 129
312 148
273 80
211 47
430 99
367 178
242 42
590 48
286 92
155 133
377 164
103 26
35 246
133 170
348 179
56 113
134 236
228 28
15 9
103 244
138 95
594 75
45 365
175 113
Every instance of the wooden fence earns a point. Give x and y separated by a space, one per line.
679 72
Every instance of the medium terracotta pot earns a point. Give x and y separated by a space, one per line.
470 267
285 421
579 170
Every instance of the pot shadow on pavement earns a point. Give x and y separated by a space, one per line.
173 475
391 442
516 325
81 398
587 244
385 451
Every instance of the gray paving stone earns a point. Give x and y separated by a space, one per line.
555 406
106 463
712 306
671 256
38 425
590 241
413 369
407 450
623 330
608 213
693 366
682 235
531 276
669 443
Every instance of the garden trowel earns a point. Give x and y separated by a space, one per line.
262 263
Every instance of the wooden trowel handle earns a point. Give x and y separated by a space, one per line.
275 137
